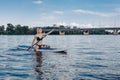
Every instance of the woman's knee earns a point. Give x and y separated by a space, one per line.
36 48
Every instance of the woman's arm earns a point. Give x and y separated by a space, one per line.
33 40
43 34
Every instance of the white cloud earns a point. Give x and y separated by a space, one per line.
86 25
95 13
37 2
74 24
61 23
58 12
47 19
117 9
45 16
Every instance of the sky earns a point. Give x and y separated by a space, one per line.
81 13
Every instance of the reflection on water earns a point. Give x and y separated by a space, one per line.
39 63
38 59
88 58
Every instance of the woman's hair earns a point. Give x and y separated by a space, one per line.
38 29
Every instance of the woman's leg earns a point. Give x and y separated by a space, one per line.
36 48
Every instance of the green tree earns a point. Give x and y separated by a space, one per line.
2 29
18 29
25 30
10 30
21 30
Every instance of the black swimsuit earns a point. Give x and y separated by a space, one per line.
38 38
42 46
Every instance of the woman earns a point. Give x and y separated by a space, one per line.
38 37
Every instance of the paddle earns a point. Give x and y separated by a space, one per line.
41 39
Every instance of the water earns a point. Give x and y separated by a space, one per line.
92 57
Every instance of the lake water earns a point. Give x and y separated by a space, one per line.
89 57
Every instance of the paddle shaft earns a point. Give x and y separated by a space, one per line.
41 39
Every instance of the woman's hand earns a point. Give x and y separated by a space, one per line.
44 34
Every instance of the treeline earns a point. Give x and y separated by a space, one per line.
16 30
26 30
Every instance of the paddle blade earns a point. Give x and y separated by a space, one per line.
29 48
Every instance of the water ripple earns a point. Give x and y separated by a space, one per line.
88 58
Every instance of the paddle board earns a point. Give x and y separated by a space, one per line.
25 47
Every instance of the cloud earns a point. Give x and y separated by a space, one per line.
61 23
47 19
117 9
74 24
58 12
37 2
86 25
95 13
